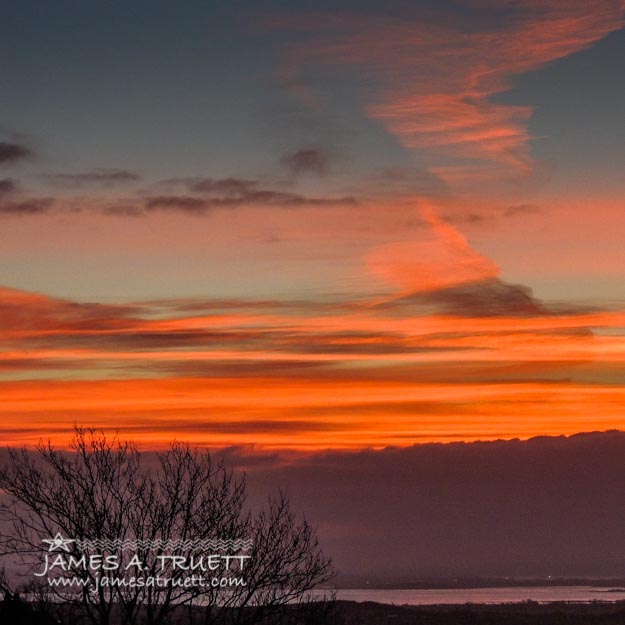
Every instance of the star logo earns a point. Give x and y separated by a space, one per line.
58 542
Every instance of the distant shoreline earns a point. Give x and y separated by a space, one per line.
526 613
484 596
348 583
339 612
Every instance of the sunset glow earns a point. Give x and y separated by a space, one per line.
340 233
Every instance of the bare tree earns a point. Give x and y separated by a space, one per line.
155 518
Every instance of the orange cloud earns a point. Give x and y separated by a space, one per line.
444 260
310 374
437 73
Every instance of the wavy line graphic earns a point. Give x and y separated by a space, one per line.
114 544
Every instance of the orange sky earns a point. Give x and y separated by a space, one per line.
363 226
449 352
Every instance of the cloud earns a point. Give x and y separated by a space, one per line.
466 218
460 362
207 194
486 298
442 261
545 506
181 203
98 177
7 186
24 311
200 196
38 206
312 160
223 186
522 209
11 153
440 97
548 506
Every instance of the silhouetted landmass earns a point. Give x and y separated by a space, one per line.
525 509
15 611
610 584
370 613
526 613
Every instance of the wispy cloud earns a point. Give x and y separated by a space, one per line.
191 196
17 207
206 194
310 160
517 210
439 96
179 203
491 297
98 177
450 362
7 186
443 260
13 152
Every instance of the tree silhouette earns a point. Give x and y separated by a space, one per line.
106 490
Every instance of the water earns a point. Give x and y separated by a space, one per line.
542 594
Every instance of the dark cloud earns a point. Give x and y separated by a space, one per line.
206 194
182 203
11 153
199 196
26 207
522 209
312 160
99 177
140 335
466 218
223 186
7 186
20 310
546 506
490 298
487 298
31 364
131 327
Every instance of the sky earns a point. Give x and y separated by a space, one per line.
340 225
